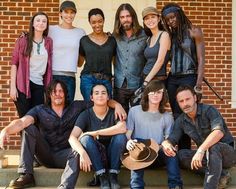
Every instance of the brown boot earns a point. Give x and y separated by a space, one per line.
23 181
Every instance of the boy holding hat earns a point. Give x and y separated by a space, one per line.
148 125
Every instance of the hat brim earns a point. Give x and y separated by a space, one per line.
131 164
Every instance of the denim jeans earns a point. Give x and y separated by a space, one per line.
113 149
218 157
70 84
87 81
34 144
173 172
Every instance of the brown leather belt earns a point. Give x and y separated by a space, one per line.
164 77
101 76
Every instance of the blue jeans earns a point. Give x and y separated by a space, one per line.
87 81
113 150
173 172
220 156
70 84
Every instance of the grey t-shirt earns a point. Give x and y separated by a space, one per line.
146 125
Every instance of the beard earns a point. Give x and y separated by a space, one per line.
127 26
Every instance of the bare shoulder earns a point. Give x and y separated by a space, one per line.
196 33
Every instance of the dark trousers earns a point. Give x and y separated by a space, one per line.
34 144
23 104
173 83
218 157
124 96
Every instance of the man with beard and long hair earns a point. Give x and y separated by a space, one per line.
129 62
45 132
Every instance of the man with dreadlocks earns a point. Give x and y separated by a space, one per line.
188 56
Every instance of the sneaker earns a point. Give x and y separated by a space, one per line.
23 181
104 182
224 181
177 187
114 181
94 181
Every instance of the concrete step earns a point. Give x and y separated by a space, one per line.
46 178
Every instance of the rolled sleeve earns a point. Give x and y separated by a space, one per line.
216 120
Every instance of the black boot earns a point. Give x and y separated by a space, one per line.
114 181
94 181
104 182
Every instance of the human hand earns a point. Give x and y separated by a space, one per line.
85 162
13 93
131 144
197 160
168 149
120 112
4 137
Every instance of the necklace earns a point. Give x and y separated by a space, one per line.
38 45
99 40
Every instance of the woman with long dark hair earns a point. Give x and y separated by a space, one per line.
31 69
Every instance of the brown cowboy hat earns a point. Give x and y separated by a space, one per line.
143 155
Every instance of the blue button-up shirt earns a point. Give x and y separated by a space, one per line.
208 119
130 60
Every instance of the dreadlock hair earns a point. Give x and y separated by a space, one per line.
154 86
118 30
30 36
184 22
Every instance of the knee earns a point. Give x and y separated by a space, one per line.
86 139
32 130
215 148
119 139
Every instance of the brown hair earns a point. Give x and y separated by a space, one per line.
52 87
118 30
153 86
30 35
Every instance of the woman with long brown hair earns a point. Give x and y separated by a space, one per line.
31 69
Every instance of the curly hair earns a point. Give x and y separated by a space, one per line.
153 86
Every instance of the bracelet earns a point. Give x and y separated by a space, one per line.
197 90
145 81
200 151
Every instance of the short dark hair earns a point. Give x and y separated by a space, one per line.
95 11
52 87
185 88
153 86
91 92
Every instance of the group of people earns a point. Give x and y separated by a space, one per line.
94 134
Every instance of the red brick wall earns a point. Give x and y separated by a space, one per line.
215 19
14 18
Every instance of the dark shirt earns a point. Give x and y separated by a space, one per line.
208 119
151 54
98 58
88 121
184 56
56 130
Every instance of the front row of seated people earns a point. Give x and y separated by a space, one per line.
94 136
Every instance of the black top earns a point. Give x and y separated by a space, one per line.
56 130
88 121
98 58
